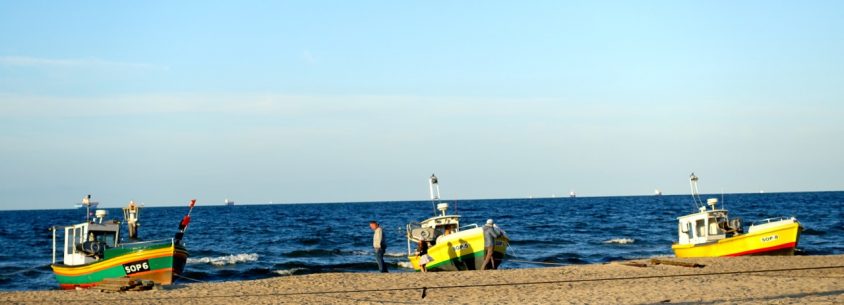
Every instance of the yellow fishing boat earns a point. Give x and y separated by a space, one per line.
710 233
452 247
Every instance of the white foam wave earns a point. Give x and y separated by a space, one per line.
291 271
621 241
407 265
225 260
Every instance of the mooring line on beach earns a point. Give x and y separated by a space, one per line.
424 289
809 276
513 250
20 271
536 262
187 278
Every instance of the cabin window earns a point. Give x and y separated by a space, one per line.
77 237
68 240
700 228
74 237
685 231
104 237
713 227
445 230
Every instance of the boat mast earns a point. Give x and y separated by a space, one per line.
434 189
86 201
132 214
695 192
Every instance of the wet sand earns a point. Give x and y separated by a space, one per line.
721 281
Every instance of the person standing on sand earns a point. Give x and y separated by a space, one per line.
491 232
380 245
422 255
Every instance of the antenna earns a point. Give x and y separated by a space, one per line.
455 207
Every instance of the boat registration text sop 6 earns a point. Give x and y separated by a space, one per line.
769 238
136 267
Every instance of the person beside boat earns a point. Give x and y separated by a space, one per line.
491 232
422 254
379 243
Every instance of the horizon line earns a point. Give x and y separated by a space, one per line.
426 200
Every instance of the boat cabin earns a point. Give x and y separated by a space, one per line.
86 242
434 227
707 225
442 225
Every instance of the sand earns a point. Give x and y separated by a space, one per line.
721 281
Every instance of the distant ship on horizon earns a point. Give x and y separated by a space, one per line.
228 202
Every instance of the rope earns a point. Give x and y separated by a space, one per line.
538 263
443 287
187 278
513 250
20 271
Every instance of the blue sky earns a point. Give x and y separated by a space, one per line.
318 101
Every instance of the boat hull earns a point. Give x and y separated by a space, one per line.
462 251
156 262
777 240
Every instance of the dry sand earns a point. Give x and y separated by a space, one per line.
721 281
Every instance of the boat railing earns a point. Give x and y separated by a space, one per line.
53 230
770 220
144 243
411 226
469 226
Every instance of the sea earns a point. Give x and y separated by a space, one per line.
251 241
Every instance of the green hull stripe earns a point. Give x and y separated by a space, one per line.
115 252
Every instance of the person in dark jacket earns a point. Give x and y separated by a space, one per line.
422 254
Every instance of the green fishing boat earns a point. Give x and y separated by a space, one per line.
92 252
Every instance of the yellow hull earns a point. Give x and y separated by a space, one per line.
771 241
461 251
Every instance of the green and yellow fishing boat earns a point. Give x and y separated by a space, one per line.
451 247
93 252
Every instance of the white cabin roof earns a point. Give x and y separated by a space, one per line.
704 214
441 220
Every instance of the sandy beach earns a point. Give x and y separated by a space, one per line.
798 280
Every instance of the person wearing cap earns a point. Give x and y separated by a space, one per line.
491 232
380 245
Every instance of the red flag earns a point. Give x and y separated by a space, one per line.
185 221
192 203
